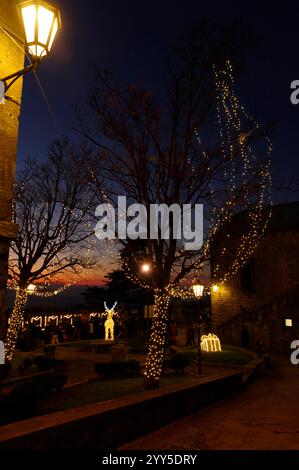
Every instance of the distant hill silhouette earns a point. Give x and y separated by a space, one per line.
69 298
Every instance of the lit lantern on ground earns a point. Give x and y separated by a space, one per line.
210 343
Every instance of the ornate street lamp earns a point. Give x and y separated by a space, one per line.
198 289
41 22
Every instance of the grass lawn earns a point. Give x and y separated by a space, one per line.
135 344
81 344
228 355
97 391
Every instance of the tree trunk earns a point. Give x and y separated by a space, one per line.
157 343
15 322
3 288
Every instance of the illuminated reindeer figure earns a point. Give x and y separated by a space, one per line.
109 323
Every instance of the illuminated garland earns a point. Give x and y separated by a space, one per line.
155 358
228 106
15 324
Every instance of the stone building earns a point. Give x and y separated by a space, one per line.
11 60
261 302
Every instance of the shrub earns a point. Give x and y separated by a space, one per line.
45 363
61 366
49 350
117 369
133 367
59 381
26 364
4 371
20 402
137 346
178 362
51 381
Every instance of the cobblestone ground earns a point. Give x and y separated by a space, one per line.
264 416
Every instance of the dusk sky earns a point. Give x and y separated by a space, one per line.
134 38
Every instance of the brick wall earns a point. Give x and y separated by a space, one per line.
11 60
262 311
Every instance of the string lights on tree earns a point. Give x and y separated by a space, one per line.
52 205
236 150
174 155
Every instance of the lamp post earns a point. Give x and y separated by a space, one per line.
146 269
198 291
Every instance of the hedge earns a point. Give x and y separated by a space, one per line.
117 369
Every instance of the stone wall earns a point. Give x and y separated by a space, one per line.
11 60
262 311
107 425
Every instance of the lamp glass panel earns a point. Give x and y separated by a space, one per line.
198 290
37 51
29 17
44 21
54 31
32 50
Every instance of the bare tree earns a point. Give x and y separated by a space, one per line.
196 145
53 201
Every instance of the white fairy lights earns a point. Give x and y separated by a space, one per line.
239 165
210 343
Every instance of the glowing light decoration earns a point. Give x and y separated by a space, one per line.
210 343
93 315
68 317
53 317
109 323
35 319
157 344
31 289
16 322
41 23
215 288
146 268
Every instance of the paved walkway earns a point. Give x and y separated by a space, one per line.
264 416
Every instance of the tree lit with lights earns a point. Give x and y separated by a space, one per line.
52 205
170 152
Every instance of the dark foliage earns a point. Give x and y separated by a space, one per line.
178 363
117 369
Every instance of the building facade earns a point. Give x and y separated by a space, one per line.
11 60
260 304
